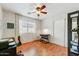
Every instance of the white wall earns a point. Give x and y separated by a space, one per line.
8 17
59 33
26 37
59 36
11 17
0 22
16 26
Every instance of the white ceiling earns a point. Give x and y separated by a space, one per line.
53 9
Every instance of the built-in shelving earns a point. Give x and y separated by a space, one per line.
74 43
73 33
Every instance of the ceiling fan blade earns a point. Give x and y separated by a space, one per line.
42 7
43 12
31 12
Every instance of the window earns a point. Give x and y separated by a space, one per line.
26 26
30 27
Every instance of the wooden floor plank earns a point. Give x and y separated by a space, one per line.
42 48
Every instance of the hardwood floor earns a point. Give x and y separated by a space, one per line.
42 48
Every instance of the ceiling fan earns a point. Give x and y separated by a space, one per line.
40 9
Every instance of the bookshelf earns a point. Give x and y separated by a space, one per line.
73 33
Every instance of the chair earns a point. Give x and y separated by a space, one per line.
19 41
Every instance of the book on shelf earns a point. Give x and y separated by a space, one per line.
74 47
74 51
74 29
74 43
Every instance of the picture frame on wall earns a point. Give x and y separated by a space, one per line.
10 25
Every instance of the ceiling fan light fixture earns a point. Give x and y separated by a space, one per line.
38 13
40 10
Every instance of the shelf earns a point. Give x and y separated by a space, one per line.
74 30
73 33
74 47
74 51
74 43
